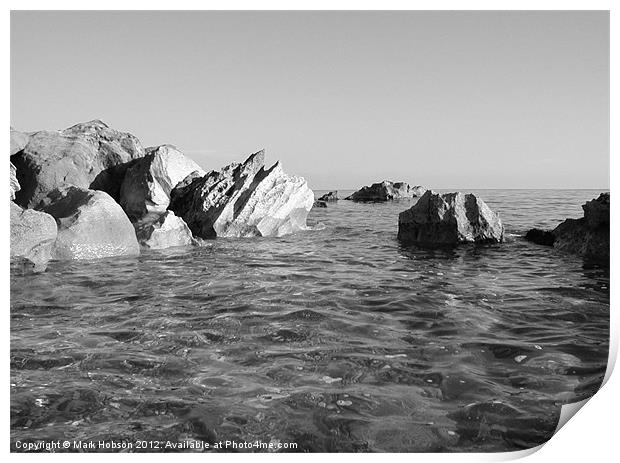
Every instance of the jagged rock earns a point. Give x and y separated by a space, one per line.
243 200
18 141
587 236
544 237
32 237
13 183
90 224
451 218
320 203
386 191
86 155
331 196
147 184
163 231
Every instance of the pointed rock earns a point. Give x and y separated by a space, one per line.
83 155
32 237
163 231
331 196
91 224
243 200
147 184
451 218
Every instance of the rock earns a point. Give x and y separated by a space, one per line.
18 141
148 182
451 218
32 237
331 196
587 236
90 224
386 191
243 200
163 231
13 183
85 155
319 203
596 212
538 236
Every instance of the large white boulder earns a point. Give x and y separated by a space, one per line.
90 224
32 237
243 200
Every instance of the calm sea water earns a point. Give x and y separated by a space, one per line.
335 339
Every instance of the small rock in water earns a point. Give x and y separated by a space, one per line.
520 358
344 403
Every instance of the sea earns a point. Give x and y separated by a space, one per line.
335 339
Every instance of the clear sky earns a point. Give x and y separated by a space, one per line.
441 99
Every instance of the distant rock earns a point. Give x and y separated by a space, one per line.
535 235
90 224
148 182
13 183
243 200
320 203
447 219
331 196
587 236
87 155
32 237
18 141
386 191
163 231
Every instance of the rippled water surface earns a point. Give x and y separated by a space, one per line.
336 339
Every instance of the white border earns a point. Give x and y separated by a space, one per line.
591 436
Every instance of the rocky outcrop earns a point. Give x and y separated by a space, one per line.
13 183
319 203
87 155
448 219
32 237
18 141
587 236
147 184
163 231
386 191
331 196
243 200
90 224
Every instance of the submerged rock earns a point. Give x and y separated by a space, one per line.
544 237
386 191
451 218
82 155
90 224
163 231
148 182
319 203
587 236
331 196
32 237
13 183
243 200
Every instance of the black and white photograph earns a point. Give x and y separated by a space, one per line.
306 231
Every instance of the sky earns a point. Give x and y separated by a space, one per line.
495 99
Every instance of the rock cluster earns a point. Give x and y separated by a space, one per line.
587 236
330 196
386 191
91 191
448 219
243 200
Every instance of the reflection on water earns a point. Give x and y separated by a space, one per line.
337 339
